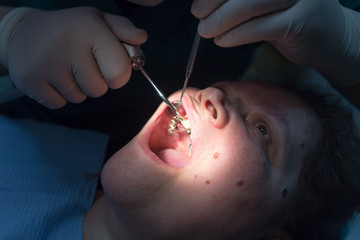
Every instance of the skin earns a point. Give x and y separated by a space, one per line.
248 144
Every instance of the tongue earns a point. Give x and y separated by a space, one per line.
172 157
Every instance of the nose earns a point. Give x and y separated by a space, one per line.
212 104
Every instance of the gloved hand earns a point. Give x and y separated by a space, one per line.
67 55
317 33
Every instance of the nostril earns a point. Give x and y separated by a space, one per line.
213 106
210 107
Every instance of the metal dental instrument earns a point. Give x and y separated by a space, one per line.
190 64
137 58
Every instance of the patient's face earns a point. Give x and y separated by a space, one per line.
248 143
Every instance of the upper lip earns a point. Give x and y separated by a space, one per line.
161 120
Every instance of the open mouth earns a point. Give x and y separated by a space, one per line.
173 149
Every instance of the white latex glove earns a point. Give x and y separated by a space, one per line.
67 55
317 33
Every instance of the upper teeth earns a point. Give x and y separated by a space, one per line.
186 125
173 127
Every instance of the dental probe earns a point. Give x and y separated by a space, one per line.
137 58
190 64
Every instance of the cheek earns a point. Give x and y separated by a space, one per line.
229 151
227 169
227 162
226 188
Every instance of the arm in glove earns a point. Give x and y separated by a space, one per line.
317 33
67 55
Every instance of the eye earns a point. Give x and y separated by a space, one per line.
263 130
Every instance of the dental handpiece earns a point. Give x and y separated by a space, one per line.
137 59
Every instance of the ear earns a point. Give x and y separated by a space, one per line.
280 234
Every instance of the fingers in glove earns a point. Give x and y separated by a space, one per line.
113 60
125 30
234 13
66 85
266 28
87 75
203 8
46 95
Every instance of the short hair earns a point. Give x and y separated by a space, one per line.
327 194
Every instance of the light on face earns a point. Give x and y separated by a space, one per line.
179 123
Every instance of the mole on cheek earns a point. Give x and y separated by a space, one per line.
207 181
195 176
239 183
216 155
